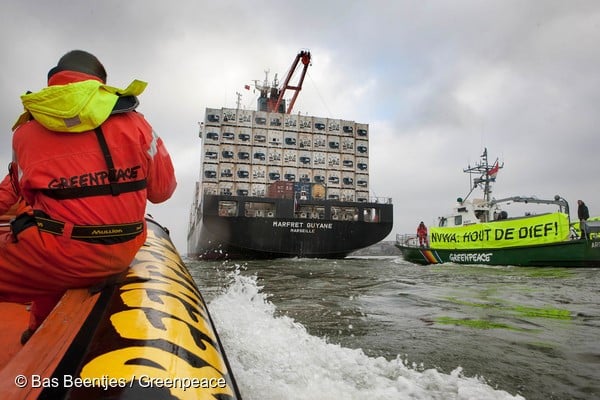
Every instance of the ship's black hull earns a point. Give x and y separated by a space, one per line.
283 235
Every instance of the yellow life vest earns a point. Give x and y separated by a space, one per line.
74 107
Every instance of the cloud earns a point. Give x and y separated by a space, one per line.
437 82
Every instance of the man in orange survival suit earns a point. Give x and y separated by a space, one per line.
85 162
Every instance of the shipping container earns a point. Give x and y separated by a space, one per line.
362 131
259 155
290 122
274 156
318 191
258 189
319 142
362 182
348 162
319 125
333 194
290 174
305 141
319 159
210 188
226 188
244 154
305 159
347 128
229 116
260 119
305 175
243 136
347 195
227 171
209 173
290 140
333 126
212 135
320 176
290 158
333 143
362 148
242 189
275 121
303 191
213 117
333 161
274 138
259 137
242 173
228 134
348 180
273 173
362 197
305 123
259 173
244 118
362 165
227 152
333 178
281 190
347 144
211 153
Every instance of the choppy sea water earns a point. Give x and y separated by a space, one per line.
383 328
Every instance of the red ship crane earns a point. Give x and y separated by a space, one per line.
273 103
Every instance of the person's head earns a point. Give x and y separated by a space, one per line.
580 202
80 61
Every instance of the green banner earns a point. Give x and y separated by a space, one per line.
531 230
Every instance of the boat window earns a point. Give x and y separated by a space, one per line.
371 214
458 220
228 208
259 209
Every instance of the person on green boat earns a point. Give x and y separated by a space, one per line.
422 234
583 214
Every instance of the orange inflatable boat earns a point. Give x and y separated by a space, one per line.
147 334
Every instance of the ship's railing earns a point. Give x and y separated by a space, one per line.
407 240
371 199
381 200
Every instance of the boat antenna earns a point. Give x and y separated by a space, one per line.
239 100
486 175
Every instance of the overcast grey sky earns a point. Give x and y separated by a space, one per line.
437 81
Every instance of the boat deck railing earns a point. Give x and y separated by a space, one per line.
407 240
381 200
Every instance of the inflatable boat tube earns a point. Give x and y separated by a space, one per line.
144 335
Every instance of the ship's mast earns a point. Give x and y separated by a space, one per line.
486 175
271 96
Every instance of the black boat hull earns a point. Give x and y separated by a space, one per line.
281 236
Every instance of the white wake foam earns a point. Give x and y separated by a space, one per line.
274 357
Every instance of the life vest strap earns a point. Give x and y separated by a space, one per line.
102 234
96 190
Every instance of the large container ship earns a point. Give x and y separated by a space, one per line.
275 184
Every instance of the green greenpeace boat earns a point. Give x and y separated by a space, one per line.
480 231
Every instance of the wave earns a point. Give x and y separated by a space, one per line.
274 357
